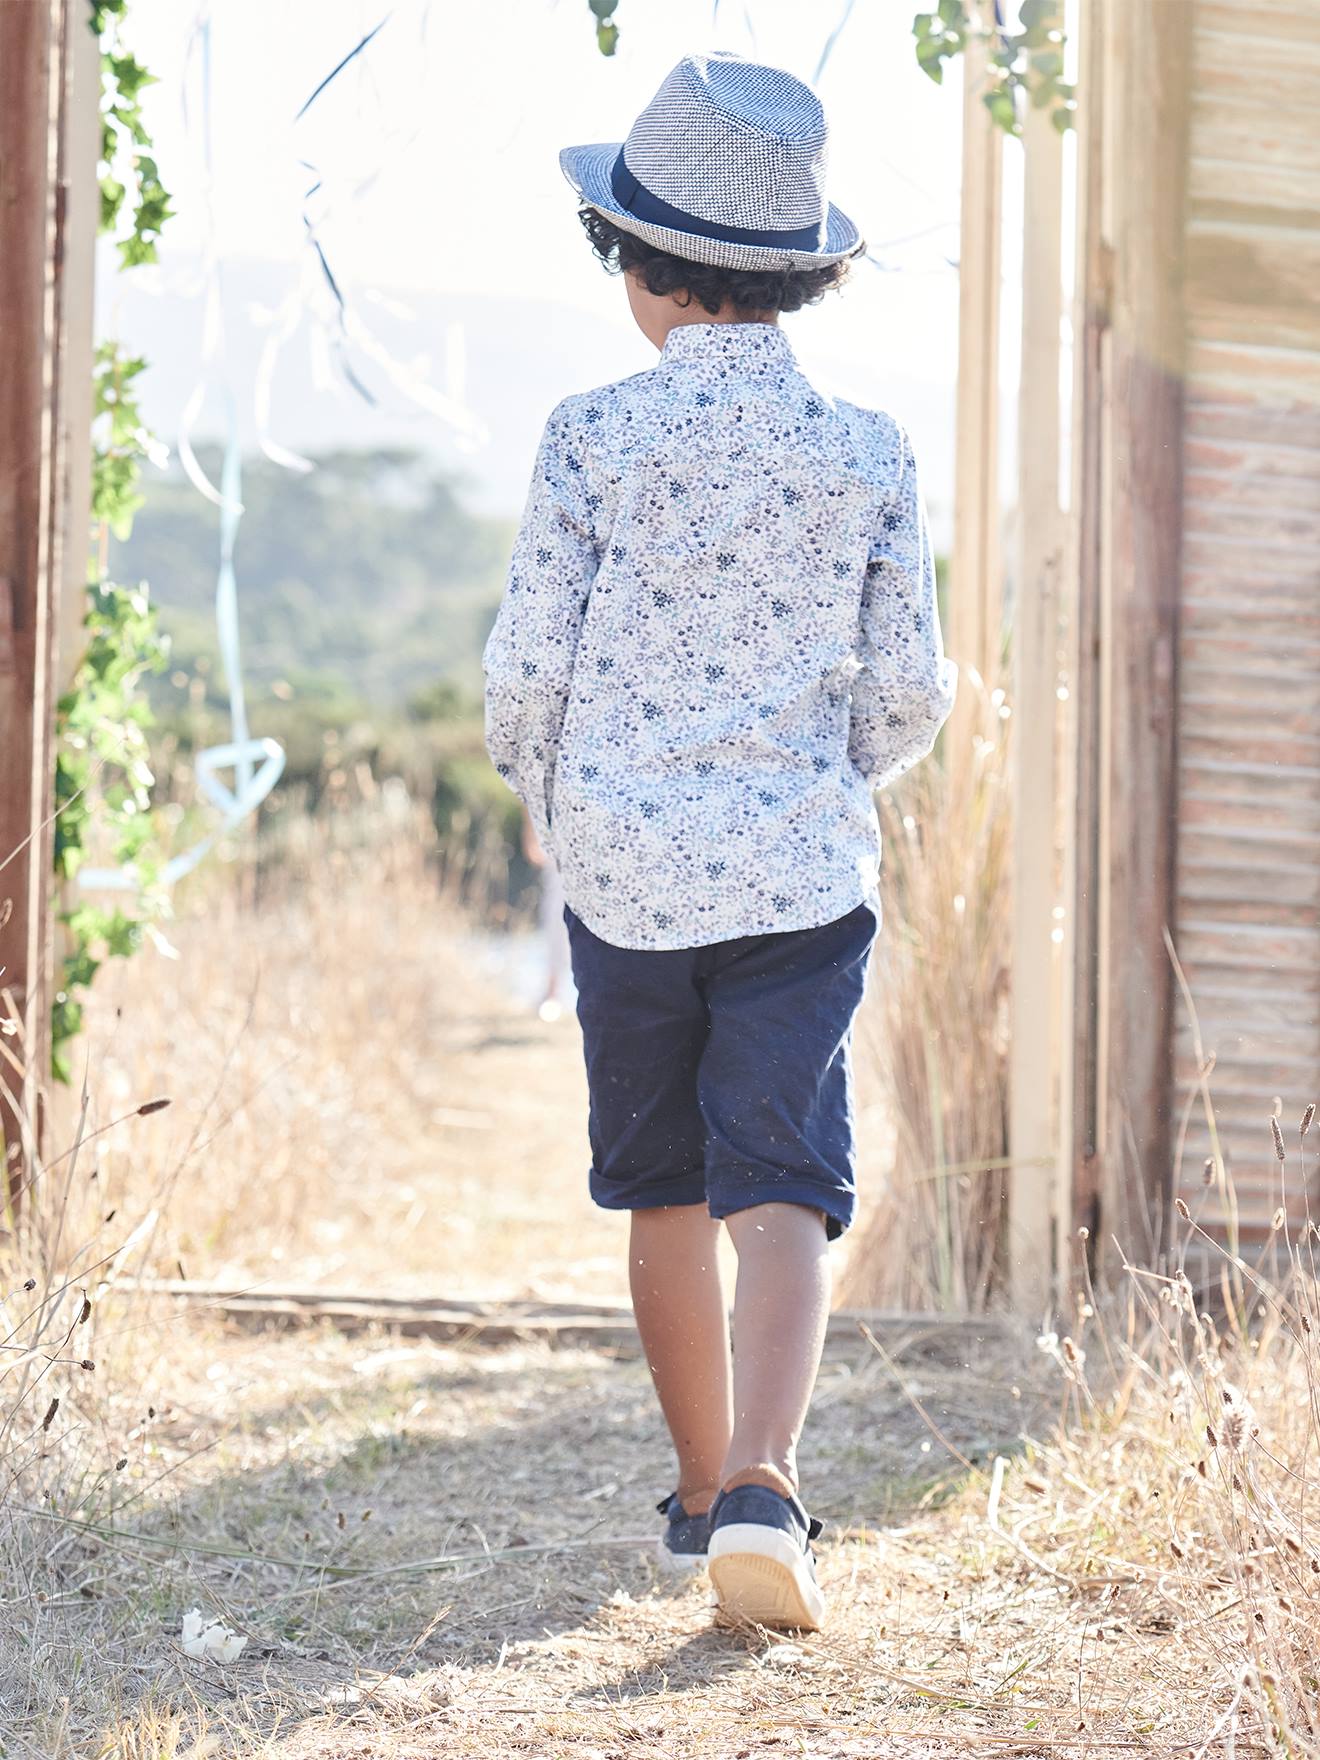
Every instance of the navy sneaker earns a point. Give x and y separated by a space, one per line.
761 1563
683 1543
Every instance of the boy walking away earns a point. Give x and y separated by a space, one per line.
719 637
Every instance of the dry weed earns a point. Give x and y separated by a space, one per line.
355 1100
1182 1500
931 1044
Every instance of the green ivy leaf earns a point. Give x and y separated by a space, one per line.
999 103
103 717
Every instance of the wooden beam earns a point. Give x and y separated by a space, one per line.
1038 1200
1131 516
1079 1000
950 1338
81 197
975 599
32 45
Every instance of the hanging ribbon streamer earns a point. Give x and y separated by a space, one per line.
257 764
337 332
348 333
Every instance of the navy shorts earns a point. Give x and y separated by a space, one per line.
723 1074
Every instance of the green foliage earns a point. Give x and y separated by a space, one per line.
607 32
117 457
103 775
1026 67
125 142
103 759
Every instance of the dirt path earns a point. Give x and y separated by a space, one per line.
549 1630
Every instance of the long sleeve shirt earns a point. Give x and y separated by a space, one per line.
719 636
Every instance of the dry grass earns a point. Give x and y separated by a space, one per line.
931 1042
354 1097
532 1474
496 1509
441 1550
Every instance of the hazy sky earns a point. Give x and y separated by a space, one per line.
437 154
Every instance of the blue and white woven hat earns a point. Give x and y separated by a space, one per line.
726 166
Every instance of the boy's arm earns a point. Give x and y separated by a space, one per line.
529 655
905 689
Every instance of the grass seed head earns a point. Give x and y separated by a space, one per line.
1239 1421
1307 1118
1277 1134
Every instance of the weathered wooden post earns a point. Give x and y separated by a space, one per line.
37 53
1037 1209
1133 100
976 597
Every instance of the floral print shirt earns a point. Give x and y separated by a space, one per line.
719 635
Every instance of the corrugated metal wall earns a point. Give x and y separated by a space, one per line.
1248 864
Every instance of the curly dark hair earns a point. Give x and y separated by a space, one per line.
749 290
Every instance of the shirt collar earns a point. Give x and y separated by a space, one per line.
745 345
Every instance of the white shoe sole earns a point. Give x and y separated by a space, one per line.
760 1575
679 1564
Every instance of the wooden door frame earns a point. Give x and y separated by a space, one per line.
50 83
1116 1140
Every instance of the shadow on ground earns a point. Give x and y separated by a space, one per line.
533 1472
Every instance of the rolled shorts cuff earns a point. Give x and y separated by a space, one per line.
742 1188
644 1192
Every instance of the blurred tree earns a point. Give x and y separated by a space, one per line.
367 578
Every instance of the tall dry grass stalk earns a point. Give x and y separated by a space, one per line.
932 1036
1181 1492
70 1346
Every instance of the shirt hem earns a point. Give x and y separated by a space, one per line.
665 942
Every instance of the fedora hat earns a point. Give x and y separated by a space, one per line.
725 166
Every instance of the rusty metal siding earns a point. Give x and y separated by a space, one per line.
1248 857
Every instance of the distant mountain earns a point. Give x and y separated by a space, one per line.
517 357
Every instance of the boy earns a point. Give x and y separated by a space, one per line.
719 636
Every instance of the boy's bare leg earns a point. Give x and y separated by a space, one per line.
673 1268
781 1305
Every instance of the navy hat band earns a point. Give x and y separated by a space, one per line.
642 205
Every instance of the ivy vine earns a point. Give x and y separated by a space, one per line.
103 768
103 776
125 142
1026 66
607 32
